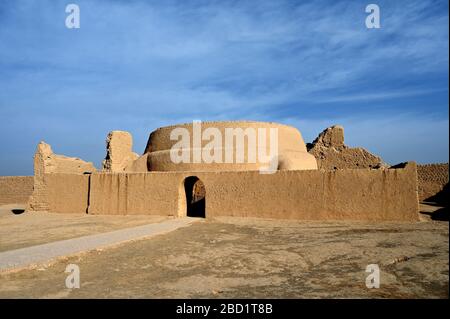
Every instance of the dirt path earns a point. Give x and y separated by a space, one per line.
47 252
19 229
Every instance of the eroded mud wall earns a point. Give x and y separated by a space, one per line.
63 193
15 189
432 180
363 194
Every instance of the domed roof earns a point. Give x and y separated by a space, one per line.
227 146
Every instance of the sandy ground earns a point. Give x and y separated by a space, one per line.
19 230
44 254
248 258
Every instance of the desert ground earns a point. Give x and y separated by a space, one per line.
19 230
234 258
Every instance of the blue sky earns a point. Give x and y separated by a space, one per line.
137 65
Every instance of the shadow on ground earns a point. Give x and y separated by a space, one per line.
441 214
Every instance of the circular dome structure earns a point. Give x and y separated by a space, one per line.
227 146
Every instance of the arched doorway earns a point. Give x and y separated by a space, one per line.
195 197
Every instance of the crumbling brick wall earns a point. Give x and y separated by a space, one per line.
119 152
331 152
432 179
47 163
15 189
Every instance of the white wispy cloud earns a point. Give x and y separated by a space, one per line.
136 64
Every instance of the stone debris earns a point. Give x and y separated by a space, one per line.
399 260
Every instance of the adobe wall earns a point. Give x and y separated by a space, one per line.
139 165
46 163
135 193
119 151
15 189
363 194
331 152
63 193
432 179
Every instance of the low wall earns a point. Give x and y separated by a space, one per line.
62 193
135 193
15 189
316 195
362 194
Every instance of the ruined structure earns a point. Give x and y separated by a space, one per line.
47 163
331 152
433 182
292 154
155 184
15 189
119 152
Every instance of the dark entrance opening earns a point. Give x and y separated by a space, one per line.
195 197
18 211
